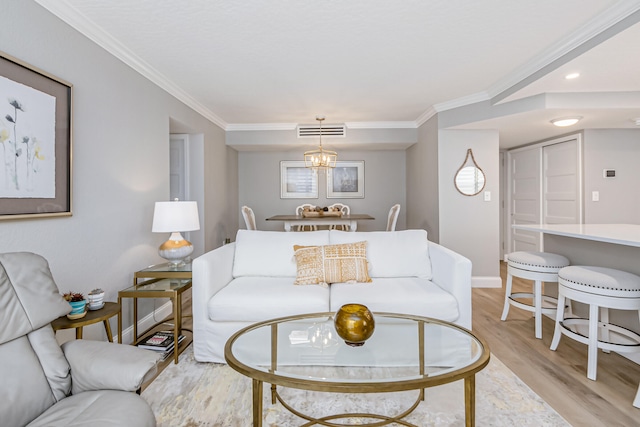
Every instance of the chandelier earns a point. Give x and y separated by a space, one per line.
320 158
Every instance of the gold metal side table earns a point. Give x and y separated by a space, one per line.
103 315
163 281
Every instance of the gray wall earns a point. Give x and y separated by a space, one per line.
121 126
422 181
470 225
385 185
617 149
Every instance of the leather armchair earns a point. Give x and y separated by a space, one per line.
79 383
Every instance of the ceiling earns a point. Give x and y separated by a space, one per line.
257 64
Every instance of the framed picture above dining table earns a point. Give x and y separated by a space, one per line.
346 180
297 181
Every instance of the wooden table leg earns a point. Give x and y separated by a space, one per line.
257 403
107 328
79 333
120 321
470 401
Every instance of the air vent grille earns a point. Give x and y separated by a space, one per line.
328 131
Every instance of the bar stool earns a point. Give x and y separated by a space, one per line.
539 267
601 288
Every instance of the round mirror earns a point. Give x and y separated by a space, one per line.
469 179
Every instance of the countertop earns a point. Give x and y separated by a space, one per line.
621 234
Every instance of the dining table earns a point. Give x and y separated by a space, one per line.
295 220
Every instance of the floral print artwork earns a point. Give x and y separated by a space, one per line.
27 141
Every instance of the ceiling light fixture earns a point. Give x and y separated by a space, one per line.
320 158
566 121
572 76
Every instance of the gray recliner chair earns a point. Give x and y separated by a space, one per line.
82 382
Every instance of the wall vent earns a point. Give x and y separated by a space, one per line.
328 131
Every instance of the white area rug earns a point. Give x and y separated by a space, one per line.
208 394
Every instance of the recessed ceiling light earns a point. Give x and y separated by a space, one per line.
571 76
566 121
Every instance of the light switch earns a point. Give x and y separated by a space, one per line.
595 196
487 196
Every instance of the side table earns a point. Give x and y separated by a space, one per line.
103 315
163 281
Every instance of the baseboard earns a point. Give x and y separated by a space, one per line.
146 322
486 282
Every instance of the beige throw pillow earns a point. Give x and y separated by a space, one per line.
332 264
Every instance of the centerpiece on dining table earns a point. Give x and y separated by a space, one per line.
316 211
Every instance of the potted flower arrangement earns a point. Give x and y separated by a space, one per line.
78 305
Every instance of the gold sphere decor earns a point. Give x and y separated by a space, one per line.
354 324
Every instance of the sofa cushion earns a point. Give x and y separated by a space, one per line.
270 253
331 264
392 253
254 299
407 295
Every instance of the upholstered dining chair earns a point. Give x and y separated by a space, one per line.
345 211
393 217
299 211
249 218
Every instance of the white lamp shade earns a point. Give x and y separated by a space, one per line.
169 217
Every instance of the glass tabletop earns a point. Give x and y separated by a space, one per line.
305 351
163 285
167 268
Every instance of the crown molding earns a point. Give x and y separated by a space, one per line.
382 125
260 126
602 22
63 10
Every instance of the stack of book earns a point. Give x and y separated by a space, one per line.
161 341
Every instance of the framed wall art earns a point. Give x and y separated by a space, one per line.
35 142
346 180
297 181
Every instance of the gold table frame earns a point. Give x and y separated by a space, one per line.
163 281
467 373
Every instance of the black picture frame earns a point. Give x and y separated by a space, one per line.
35 142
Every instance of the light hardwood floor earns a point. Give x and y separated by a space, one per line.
559 377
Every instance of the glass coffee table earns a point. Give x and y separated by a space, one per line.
404 353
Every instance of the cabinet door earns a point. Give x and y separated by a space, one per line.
561 185
524 197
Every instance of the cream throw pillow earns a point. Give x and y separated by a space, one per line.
331 264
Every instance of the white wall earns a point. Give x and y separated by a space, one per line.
617 149
470 225
121 126
385 185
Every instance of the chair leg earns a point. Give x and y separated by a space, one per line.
507 293
592 361
537 296
604 318
636 401
559 318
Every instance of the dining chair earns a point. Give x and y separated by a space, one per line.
345 211
393 217
249 218
299 211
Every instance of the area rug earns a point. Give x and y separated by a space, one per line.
194 394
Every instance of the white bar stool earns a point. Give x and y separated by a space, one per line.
539 267
601 288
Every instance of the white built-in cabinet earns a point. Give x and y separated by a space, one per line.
544 185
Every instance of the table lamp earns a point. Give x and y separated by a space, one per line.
175 217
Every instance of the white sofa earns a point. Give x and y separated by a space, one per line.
252 280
